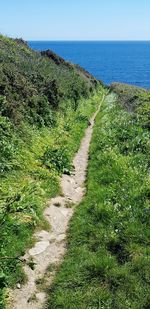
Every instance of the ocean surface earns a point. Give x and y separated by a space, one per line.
127 62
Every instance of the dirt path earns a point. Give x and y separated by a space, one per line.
50 246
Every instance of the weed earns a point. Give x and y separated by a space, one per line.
31 263
52 267
32 299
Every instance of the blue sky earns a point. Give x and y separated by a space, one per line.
76 19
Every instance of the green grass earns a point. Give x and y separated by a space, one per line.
107 262
28 181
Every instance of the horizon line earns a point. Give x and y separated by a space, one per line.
79 40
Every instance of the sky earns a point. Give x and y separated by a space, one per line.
75 19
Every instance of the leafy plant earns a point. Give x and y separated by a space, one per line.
57 158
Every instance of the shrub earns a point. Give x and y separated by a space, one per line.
7 147
39 112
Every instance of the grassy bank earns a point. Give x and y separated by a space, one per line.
45 104
39 156
107 264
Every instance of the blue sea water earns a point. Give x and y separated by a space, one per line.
109 61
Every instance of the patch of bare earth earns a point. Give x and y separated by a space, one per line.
50 246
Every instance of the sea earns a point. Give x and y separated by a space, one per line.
109 61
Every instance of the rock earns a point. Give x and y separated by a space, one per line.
51 55
18 286
39 248
61 237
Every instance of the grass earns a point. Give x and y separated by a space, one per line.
107 262
26 187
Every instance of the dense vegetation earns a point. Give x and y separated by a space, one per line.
32 84
45 104
107 264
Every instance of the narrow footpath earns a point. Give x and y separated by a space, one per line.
50 246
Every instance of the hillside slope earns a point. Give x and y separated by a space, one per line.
45 105
33 83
